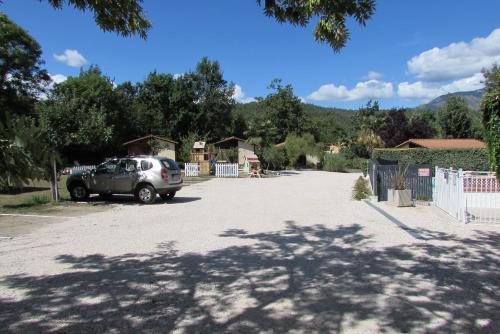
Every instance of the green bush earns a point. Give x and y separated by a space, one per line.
361 189
467 159
334 162
274 157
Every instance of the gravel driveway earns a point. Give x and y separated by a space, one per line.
286 254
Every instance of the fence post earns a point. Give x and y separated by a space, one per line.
462 200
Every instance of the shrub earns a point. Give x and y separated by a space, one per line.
361 189
274 157
334 162
467 159
297 147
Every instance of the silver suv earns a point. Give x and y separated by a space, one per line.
143 176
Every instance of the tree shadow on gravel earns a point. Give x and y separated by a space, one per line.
309 279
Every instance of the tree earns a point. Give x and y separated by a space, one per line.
81 116
214 100
395 127
422 125
298 147
17 165
22 79
369 139
284 110
490 107
455 119
331 26
152 105
127 17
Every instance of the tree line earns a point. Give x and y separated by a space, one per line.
87 118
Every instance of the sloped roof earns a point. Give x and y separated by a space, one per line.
148 137
252 158
444 143
229 139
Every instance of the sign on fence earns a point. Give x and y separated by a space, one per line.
226 170
191 169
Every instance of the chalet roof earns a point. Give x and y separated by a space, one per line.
149 137
444 143
252 158
229 139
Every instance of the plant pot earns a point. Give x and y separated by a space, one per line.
390 195
402 197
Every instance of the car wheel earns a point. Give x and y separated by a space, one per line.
168 196
78 192
146 194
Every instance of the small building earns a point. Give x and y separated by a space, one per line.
197 153
201 155
152 145
442 143
234 142
251 162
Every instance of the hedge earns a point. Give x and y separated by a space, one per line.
467 159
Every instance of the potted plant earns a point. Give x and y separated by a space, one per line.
399 194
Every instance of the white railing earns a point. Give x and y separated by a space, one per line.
81 168
226 170
468 196
191 169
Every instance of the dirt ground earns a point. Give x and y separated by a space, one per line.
287 254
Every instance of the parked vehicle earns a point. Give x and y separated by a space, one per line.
143 176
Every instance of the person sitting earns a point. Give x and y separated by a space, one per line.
254 172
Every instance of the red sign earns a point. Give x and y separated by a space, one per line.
424 172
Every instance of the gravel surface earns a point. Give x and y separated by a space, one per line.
286 254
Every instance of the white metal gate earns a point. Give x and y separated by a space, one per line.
226 170
468 196
191 169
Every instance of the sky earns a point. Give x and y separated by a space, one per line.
408 53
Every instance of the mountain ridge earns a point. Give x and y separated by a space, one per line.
473 99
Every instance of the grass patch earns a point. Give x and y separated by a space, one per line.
34 197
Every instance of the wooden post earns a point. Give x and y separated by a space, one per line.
55 187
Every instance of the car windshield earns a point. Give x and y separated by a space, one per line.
169 164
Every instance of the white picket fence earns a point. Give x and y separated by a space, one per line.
468 196
81 168
226 170
191 169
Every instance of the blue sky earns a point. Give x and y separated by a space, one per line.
409 52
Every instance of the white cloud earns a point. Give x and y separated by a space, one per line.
372 75
239 95
427 91
71 58
457 60
371 89
58 78
178 75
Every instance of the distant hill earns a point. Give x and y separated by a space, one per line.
473 99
